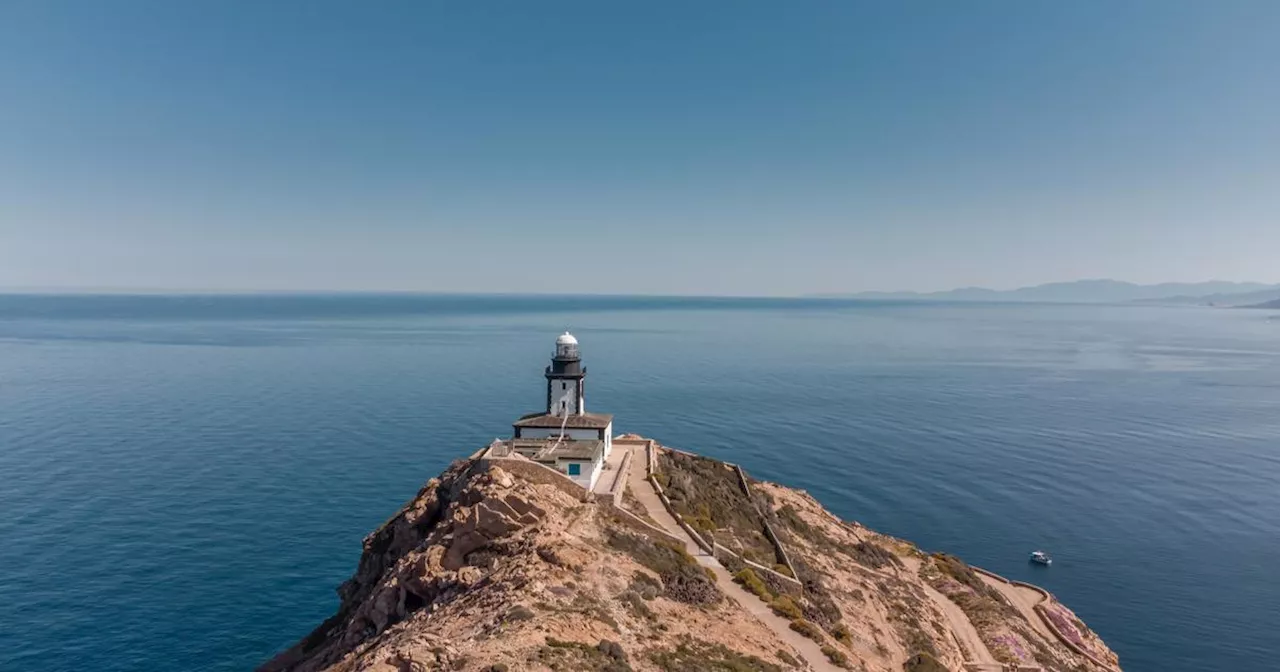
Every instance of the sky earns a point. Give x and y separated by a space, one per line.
737 148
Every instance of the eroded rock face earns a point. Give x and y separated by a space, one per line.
427 553
484 570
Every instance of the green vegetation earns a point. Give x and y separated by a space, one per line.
841 634
518 613
752 582
836 656
791 518
867 553
645 586
785 606
683 579
709 497
874 555
636 605
693 654
606 656
784 570
818 604
807 629
983 604
905 604
786 658
956 568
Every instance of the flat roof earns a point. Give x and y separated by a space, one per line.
550 450
577 421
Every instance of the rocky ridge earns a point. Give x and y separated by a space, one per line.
485 570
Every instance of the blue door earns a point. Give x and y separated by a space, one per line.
575 469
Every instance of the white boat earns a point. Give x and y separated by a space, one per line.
1041 558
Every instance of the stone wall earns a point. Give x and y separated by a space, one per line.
780 584
777 581
651 450
1045 598
619 485
536 473
636 523
779 550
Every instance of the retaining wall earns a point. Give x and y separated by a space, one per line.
726 557
620 482
639 525
778 583
768 529
536 473
1047 598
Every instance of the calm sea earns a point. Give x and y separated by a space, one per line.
185 480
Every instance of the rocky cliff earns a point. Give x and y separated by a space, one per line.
487 570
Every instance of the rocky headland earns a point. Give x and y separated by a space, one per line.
678 563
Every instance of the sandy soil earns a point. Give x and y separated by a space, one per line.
1024 599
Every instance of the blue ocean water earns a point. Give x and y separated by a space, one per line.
185 480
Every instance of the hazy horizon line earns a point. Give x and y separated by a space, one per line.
849 293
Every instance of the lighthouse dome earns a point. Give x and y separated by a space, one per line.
566 339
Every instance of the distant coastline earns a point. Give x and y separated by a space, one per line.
1217 294
1211 293
1267 305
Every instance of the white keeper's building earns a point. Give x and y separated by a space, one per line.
566 437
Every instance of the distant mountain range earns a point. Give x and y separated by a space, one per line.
1212 293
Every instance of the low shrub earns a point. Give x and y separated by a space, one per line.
956 568
636 603
785 606
874 555
519 613
683 579
645 586
710 499
693 654
606 656
751 581
788 515
836 656
612 650
807 629
841 634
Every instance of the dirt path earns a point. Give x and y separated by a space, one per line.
1025 600
809 650
961 627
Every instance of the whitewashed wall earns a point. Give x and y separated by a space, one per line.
590 472
565 390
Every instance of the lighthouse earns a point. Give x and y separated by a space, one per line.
565 436
565 378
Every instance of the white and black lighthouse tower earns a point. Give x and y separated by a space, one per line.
566 378
566 437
